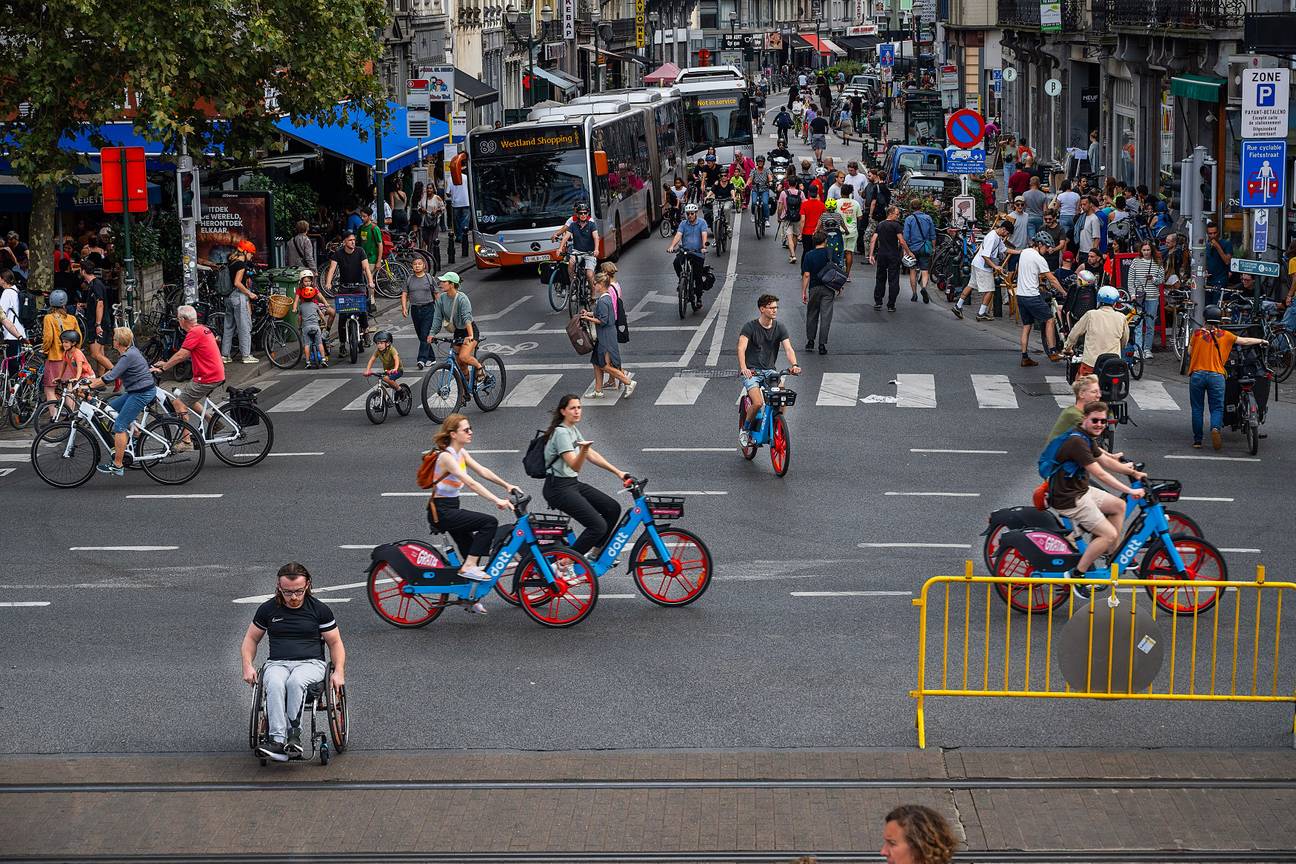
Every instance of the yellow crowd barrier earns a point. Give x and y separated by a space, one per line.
972 643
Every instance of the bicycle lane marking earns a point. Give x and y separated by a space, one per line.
721 307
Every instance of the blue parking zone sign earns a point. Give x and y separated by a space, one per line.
1264 170
965 161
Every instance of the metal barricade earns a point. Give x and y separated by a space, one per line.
1118 646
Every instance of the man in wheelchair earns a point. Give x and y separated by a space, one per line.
299 627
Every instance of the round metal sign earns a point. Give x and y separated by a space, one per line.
1010 74
1052 87
1119 651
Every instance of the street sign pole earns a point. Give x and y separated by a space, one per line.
129 259
189 224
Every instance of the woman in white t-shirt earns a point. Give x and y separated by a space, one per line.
1146 275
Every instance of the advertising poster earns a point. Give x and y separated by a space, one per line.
229 217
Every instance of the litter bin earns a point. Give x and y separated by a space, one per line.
283 280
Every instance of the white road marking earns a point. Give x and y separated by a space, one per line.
308 395
1062 392
611 394
914 545
495 316
15 457
851 593
13 442
617 596
530 391
5 472
302 453
410 494
485 452
189 495
122 548
839 388
875 399
721 306
653 297
681 390
656 328
994 391
358 546
915 391
23 604
1240 551
1215 458
1194 498
936 494
688 492
1152 396
358 403
687 450
258 598
959 452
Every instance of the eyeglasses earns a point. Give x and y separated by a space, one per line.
294 592
1097 421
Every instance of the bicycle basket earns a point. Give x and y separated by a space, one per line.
550 527
279 306
780 397
667 508
352 303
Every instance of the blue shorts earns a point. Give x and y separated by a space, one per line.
1034 310
756 380
394 374
129 406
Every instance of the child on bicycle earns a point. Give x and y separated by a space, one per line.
309 311
385 353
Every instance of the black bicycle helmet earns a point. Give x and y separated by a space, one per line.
70 336
1042 237
383 336
1212 314
581 208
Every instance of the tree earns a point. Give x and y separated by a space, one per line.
192 68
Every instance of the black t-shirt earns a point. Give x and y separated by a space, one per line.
762 344
1064 491
819 125
350 266
237 267
888 239
295 634
710 173
1054 259
814 261
98 293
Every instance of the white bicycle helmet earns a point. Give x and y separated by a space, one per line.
1086 278
690 208
1108 294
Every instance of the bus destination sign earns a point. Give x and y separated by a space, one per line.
523 141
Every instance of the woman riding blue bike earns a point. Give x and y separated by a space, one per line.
445 471
566 453
452 306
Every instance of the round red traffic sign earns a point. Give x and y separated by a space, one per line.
965 129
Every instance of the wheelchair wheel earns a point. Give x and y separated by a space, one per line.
258 722
404 400
339 724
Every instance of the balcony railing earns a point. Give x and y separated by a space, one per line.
1025 14
1177 14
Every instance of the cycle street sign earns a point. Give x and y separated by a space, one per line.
1255 268
961 161
1263 173
965 128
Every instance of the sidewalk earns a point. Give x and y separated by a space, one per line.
665 801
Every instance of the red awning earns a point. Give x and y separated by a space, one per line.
816 43
665 74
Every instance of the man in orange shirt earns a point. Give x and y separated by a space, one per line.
1208 350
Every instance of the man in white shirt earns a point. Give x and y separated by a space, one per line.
1031 304
984 265
14 332
1091 228
459 204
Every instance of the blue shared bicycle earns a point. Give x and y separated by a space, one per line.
671 566
410 582
1038 553
771 425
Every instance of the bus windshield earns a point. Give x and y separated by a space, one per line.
717 120
532 190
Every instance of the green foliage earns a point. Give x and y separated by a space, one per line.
291 201
850 67
167 224
146 245
73 62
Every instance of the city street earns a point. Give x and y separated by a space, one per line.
123 602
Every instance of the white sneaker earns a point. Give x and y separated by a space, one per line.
249 359
476 574
630 388
744 438
476 609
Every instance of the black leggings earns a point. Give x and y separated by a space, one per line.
591 508
471 531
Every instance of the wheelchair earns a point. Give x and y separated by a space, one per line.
324 738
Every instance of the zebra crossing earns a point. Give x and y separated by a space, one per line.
830 390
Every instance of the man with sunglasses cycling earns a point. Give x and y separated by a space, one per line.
584 237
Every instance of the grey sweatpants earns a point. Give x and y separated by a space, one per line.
285 683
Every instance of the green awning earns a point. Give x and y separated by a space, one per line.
1203 88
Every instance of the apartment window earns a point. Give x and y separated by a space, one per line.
709 16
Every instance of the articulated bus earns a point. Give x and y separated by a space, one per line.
609 150
717 111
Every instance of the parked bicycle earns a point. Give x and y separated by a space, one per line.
280 340
20 386
447 388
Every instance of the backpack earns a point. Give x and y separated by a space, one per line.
224 282
620 320
1102 235
792 206
27 316
832 275
533 461
1048 460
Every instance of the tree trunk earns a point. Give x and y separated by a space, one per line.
40 246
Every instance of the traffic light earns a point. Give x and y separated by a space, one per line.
1206 175
189 199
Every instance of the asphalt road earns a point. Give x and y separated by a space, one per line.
807 638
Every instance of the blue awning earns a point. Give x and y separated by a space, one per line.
344 142
117 134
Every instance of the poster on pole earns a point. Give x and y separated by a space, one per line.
441 82
230 217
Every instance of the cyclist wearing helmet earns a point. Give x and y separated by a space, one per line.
584 235
385 352
56 323
1105 330
1034 308
691 239
711 176
761 180
309 308
1208 350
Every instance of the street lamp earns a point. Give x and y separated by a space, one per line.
514 19
733 29
653 18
